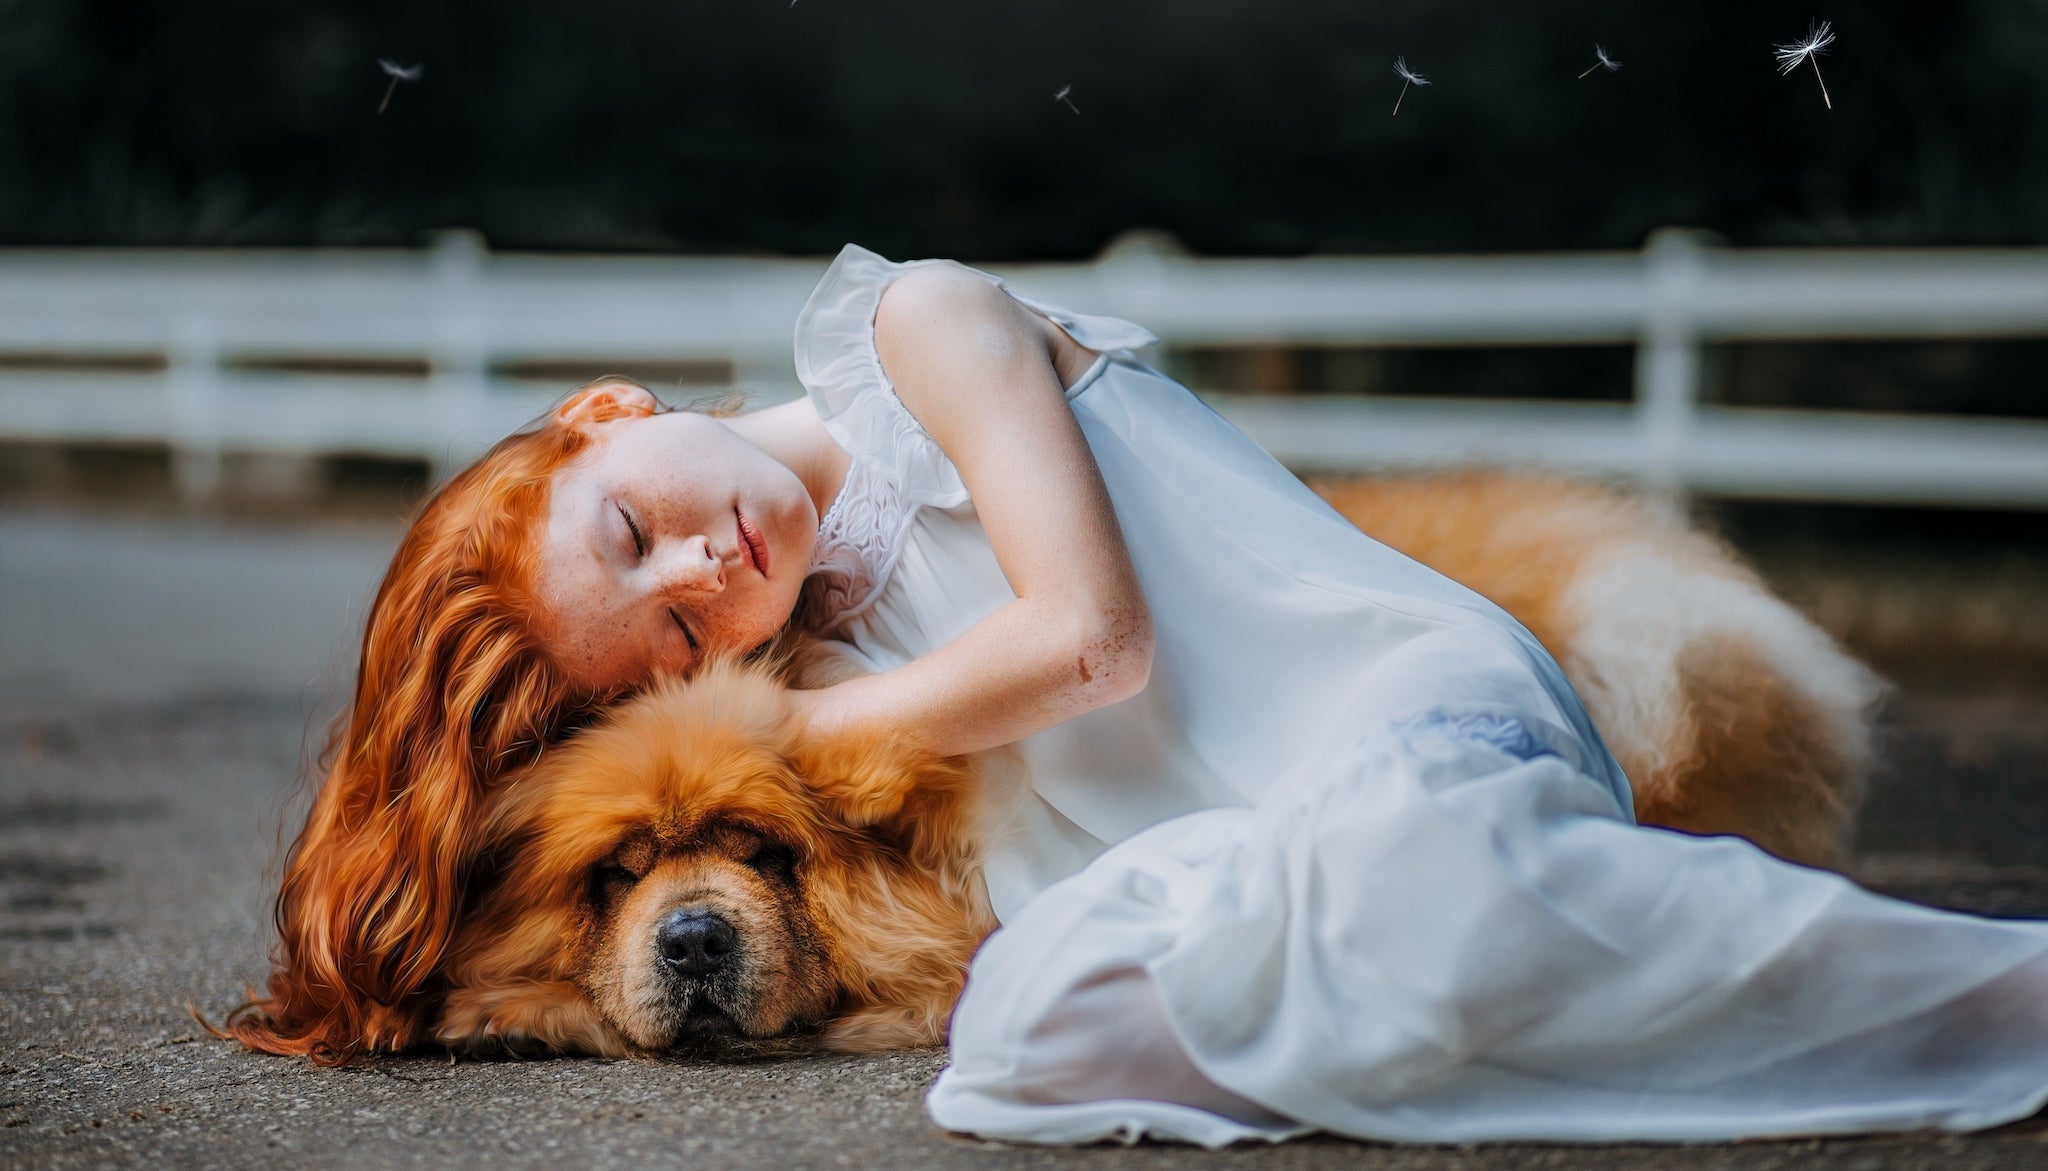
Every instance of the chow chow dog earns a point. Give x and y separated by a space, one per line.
695 874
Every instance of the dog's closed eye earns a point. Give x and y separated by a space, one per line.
620 872
609 880
774 860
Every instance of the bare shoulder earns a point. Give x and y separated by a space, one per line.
936 288
930 304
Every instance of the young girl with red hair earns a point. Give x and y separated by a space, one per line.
1316 838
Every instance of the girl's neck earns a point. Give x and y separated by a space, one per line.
795 436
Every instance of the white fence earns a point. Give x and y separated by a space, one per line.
433 354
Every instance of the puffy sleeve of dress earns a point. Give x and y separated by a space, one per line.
837 363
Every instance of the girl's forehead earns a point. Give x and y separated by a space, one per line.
659 455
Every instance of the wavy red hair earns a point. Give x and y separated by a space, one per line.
453 692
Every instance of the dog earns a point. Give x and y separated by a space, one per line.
695 874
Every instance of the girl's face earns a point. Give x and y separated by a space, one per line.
668 539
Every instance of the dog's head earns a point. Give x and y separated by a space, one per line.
695 873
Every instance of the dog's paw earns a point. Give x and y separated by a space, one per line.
884 1028
527 1018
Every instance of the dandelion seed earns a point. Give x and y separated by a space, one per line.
1062 97
1605 62
1792 56
1408 77
398 73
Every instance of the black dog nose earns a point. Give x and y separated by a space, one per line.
695 941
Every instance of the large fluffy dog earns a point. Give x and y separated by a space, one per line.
694 874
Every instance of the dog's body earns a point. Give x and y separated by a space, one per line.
695 873
1730 712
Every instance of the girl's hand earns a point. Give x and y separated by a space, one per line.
812 711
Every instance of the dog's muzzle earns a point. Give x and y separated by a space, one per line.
694 941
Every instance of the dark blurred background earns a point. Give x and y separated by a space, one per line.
929 127
1232 127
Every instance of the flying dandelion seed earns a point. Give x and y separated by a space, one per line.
1792 56
1408 77
1605 62
398 73
1062 97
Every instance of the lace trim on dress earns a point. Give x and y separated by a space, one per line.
860 538
897 467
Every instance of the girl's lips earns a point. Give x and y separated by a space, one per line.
750 540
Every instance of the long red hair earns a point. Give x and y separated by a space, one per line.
454 691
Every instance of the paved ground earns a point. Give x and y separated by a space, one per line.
159 684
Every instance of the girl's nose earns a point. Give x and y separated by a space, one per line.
695 565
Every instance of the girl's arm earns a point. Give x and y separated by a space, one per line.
976 369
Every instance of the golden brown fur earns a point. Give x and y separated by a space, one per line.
869 919
1732 714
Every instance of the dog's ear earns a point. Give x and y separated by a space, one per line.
905 917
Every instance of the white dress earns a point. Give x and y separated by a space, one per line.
1355 859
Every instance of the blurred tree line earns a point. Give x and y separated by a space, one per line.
930 127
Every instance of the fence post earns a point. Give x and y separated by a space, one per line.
456 390
1668 359
192 388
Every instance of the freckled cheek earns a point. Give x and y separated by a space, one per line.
629 655
750 621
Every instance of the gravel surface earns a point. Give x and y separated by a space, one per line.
140 817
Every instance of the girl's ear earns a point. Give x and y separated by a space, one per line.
601 402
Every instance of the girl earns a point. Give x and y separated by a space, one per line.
1317 838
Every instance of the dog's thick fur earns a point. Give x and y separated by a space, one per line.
843 871
844 867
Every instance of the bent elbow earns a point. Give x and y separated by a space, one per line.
1115 662
1132 675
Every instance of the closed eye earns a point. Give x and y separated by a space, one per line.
773 858
685 628
639 542
609 881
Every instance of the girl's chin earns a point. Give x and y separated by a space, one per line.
790 546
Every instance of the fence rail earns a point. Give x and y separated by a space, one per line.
432 354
